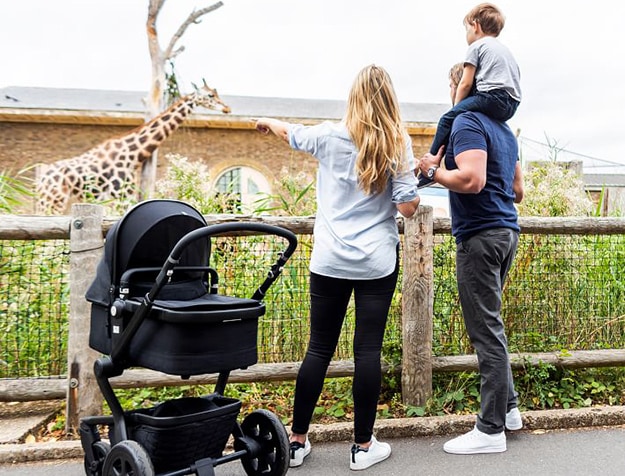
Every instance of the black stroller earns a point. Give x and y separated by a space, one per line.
155 304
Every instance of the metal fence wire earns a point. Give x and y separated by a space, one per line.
34 308
563 293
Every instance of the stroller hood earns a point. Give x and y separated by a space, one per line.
144 237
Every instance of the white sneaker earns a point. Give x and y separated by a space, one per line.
513 420
299 452
475 442
362 458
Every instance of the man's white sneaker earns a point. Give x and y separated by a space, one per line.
475 442
298 452
362 458
513 420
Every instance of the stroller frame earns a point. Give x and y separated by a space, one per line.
188 435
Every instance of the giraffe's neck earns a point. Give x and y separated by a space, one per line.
108 171
150 136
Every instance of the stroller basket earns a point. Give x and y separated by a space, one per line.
179 432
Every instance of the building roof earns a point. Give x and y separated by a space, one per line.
103 107
28 104
592 181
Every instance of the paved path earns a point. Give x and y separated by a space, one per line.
598 451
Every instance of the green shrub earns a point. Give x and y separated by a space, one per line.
553 190
190 182
13 191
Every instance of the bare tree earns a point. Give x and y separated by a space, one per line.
159 57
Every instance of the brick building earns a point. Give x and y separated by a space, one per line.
43 125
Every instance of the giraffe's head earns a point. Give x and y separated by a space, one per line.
207 97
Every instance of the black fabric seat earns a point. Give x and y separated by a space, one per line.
204 309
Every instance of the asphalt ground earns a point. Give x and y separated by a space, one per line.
554 443
578 452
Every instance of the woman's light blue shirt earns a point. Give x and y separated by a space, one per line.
355 234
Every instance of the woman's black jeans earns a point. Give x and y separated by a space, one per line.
329 298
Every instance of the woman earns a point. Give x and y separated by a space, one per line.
365 176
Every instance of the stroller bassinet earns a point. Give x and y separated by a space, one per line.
155 304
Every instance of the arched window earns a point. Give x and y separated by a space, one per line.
245 182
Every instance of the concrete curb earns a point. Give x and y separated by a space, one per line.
385 429
456 424
28 452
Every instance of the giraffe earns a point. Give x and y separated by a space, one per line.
109 170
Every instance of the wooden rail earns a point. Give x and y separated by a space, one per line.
55 388
26 227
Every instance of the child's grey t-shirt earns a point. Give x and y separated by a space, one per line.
495 66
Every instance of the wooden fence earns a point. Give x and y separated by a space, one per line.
86 227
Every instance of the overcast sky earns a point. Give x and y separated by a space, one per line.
569 51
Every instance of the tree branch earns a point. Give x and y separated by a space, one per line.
193 18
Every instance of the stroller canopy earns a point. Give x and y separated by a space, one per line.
144 237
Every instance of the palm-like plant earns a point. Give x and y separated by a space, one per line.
13 190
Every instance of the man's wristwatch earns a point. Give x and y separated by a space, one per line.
431 171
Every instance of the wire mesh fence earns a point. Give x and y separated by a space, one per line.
564 292
34 308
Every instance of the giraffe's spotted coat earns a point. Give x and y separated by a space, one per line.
109 171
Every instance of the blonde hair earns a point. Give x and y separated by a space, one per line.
489 18
374 124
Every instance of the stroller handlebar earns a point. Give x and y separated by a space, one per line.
224 228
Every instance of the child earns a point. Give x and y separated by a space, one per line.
490 65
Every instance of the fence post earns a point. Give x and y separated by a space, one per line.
86 243
417 307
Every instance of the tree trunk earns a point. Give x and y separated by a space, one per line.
155 101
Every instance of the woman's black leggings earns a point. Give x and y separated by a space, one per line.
329 298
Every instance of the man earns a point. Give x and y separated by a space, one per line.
484 178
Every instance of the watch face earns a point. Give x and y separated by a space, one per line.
431 171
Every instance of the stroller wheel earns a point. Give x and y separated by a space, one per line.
100 450
271 442
128 458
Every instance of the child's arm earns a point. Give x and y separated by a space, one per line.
466 83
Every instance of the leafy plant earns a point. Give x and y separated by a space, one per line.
172 87
13 191
295 196
553 189
190 182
